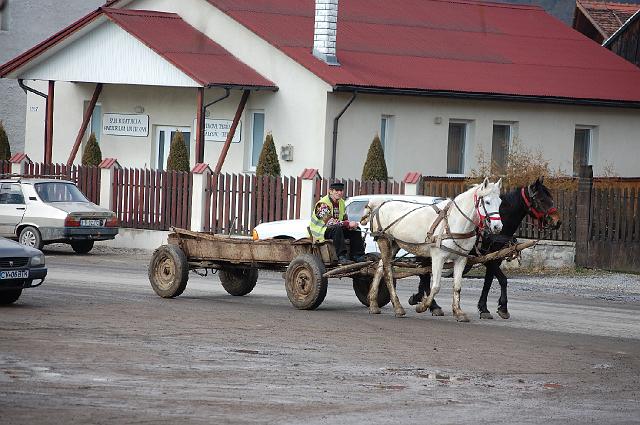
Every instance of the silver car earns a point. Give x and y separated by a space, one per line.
42 211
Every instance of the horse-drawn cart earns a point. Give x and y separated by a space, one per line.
306 266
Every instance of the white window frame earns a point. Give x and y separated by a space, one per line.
513 128
591 149
156 142
4 16
387 127
466 147
250 166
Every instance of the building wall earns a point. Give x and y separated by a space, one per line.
23 32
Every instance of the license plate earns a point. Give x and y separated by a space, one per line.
91 223
14 274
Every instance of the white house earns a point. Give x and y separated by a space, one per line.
439 81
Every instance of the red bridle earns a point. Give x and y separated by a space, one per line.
486 217
538 215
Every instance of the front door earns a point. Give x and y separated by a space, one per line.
164 135
12 208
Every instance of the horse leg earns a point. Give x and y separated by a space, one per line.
488 280
502 302
437 262
458 269
373 289
423 288
387 251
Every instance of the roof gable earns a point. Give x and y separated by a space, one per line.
607 17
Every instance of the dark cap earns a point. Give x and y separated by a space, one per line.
337 186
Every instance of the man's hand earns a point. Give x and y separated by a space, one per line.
353 224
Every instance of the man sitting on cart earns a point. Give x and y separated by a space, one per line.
329 221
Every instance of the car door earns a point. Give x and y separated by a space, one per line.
12 208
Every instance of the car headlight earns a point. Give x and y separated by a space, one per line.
37 260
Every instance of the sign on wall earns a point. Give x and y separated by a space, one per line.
133 125
217 130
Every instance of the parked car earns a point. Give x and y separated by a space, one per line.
20 266
297 229
37 212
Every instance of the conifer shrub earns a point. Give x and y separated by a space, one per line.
92 155
375 167
5 147
178 159
268 163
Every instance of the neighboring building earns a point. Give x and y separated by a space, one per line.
599 19
24 23
625 41
440 81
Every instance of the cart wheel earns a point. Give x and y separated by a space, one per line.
361 287
306 288
168 271
239 281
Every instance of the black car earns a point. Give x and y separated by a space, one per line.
20 267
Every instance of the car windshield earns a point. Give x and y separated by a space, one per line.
355 210
59 192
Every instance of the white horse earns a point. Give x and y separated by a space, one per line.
446 231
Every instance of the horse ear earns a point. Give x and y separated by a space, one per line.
541 180
499 184
485 183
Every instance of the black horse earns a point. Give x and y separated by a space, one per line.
534 200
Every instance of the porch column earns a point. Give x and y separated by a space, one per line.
232 130
85 123
107 172
201 175
48 136
200 127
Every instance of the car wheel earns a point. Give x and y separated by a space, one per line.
30 236
82 247
10 296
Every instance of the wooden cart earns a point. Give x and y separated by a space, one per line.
306 265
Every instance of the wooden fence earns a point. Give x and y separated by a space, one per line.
87 178
5 167
357 187
152 199
236 203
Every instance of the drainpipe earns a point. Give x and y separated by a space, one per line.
46 113
335 135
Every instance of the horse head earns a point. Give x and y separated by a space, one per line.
541 206
487 203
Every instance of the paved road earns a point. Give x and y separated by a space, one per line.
94 344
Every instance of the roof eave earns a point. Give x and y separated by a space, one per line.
487 96
243 87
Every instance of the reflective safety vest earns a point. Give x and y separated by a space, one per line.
317 226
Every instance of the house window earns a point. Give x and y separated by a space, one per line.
257 137
4 15
582 148
386 138
95 122
456 147
500 144
164 137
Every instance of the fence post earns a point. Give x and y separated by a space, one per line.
201 174
412 183
583 212
107 170
309 177
19 163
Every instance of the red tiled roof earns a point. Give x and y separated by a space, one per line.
446 47
608 16
200 168
412 177
309 174
172 38
108 163
19 157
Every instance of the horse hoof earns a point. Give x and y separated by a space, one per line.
374 310
400 313
420 308
504 314
437 312
414 299
462 318
485 315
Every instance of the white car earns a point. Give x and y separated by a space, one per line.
297 229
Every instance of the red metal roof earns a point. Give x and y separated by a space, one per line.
19 157
200 168
172 38
412 177
446 47
309 174
108 163
608 16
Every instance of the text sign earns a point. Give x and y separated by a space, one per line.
217 130
125 125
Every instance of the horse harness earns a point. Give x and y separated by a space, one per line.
531 209
431 238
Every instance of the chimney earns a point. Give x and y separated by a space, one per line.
325 30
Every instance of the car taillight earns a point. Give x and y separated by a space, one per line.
111 222
71 221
